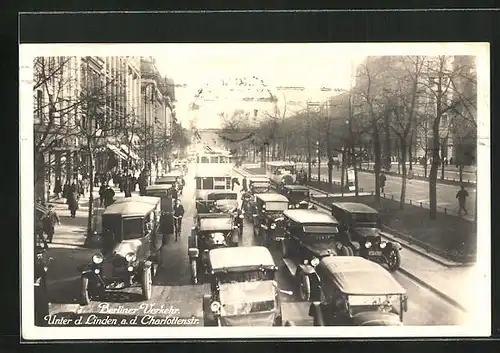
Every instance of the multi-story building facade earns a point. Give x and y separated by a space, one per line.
77 99
158 113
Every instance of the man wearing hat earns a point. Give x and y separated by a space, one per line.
49 222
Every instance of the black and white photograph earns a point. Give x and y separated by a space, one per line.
183 189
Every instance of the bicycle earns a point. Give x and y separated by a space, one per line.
177 226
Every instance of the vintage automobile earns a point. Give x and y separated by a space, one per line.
309 236
268 219
258 184
298 196
362 224
128 249
217 201
243 288
211 231
169 178
164 192
357 292
281 172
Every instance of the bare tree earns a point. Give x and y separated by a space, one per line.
441 75
79 109
369 95
403 98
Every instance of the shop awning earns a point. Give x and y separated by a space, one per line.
127 152
116 151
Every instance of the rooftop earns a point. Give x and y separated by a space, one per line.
271 197
354 207
132 207
310 216
244 256
356 275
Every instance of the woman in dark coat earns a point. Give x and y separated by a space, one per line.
66 190
58 188
73 201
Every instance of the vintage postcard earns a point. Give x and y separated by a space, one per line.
215 190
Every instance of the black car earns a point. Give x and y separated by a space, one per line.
362 224
357 292
211 231
311 235
268 218
299 196
128 253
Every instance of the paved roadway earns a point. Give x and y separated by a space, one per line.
450 171
172 288
416 190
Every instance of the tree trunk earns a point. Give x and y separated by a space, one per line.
354 165
461 172
342 170
398 156
377 157
402 150
434 169
442 160
309 157
90 229
387 152
410 152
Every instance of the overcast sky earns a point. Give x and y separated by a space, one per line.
277 64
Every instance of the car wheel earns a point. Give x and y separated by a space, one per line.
304 287
147 283
84 291
278 321
194 271
394 260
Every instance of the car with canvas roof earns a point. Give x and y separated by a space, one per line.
243 288
357 292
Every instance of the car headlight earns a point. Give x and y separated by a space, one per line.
215 306
130 257
297 206
273 226
368 244
241 216
383 244
97 258
306 262
290 206
315 262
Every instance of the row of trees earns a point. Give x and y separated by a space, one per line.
79 109
402 104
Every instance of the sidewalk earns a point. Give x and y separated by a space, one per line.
72 232
457 285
